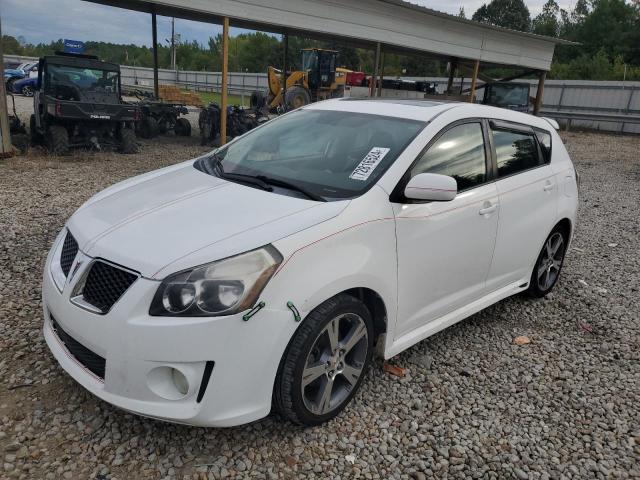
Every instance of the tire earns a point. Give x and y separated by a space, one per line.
27 91
258 100
57 140
163 127
296 97
311 344
549 264
148 127
35 137
128 144
21 142
182 127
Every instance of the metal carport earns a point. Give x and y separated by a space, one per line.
390 25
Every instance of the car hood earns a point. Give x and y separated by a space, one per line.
14 72
180 217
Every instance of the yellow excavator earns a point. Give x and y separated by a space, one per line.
319 79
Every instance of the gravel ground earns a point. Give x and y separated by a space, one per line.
473 404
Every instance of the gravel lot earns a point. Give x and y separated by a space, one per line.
473 404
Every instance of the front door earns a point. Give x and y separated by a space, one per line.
445 249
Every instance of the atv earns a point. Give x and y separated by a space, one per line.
158 117
79 104
239 121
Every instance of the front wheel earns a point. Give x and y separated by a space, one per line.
549 264
182 127
325 361
27 91
128 142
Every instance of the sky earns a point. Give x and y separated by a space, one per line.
46 20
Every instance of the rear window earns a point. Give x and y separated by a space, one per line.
516 151
544 139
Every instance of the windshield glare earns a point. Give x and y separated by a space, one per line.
333 154
75 83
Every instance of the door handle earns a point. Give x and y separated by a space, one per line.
490 208
548 186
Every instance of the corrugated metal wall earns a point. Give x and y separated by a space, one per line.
580 96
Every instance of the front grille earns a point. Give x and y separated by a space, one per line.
91 361
105 284
69 252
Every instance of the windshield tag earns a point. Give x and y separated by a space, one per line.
369 163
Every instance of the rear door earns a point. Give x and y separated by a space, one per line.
528 201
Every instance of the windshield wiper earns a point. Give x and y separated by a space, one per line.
238 177
292 186
262 181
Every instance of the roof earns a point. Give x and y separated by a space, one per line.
400 26
426 110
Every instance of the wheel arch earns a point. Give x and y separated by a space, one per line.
565 226
374 303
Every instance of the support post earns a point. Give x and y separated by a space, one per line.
225 73
474 81
453 66
154 35
285 67
5 134
376 66
540 93
381 74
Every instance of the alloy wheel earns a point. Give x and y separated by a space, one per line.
550 262
335 363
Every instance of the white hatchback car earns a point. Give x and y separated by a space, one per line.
265 272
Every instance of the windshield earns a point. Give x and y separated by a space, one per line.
77 83
502 95
332 154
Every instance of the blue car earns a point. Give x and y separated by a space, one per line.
25 86
23 70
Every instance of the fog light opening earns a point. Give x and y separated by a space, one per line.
180 381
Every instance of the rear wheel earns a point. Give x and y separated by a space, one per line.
27 91
148 127
36 138
128 142
296 97
325 362
549 264
182 127
57 140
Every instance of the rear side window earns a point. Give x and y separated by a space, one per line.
515 151
544 139
459 153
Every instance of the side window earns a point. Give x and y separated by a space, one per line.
459 153
544 139
515 151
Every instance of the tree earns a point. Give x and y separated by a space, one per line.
512 14
547 22
461 13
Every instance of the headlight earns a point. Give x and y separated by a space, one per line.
224 287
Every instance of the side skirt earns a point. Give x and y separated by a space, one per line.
409 339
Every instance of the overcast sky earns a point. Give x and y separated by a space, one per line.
46 20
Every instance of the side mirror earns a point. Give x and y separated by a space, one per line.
432 187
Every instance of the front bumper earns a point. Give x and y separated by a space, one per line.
136 346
